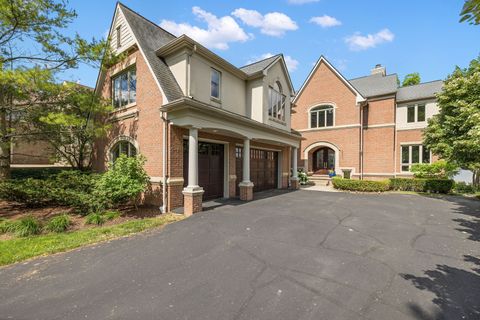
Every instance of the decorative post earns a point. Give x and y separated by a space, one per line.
246 186
192 193
294 182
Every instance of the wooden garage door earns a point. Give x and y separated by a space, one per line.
263 168
210 168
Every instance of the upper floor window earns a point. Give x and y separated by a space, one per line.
215 79
119 38
276 102
412 154
124 88
321 116
416 113
122 147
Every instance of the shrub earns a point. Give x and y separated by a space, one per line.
440 169
28 226
462 187
8 226
31 192
125 180
95 218
360 185
59 223
302 177
422 185
111 215
35 173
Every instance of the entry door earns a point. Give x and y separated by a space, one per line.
210 168
323 160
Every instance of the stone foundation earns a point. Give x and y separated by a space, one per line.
246 191
192 201
294 184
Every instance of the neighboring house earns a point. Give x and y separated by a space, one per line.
367 126
206 128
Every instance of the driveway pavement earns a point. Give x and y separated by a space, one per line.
298 255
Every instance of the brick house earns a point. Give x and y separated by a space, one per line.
207 128
367 127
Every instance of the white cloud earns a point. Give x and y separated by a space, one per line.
291 63
326 21
301 1
272 24
218 34
357 42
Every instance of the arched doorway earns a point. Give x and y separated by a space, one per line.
323 159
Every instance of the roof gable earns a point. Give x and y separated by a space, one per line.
322 59
376 85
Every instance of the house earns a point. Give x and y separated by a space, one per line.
366 127
207 129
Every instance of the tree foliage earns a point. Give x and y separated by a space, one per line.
411 79
454 133
471 12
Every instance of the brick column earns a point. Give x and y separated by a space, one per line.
294 183
192 193
246 186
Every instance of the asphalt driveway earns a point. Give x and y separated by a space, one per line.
297 255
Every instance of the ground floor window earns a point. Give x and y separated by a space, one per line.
122 147
412 154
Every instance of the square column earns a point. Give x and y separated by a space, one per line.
246 186
192 193
294 182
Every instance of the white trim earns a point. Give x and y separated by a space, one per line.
156 179
410 142
319 144
380 125
327 104
375 174
259 148
346 126
118 139
359 96
285 69
414 128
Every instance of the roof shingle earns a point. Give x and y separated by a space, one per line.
259 65
419 91
375 85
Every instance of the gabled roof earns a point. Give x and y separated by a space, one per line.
376 85
259 65
419 91
150 37
360 97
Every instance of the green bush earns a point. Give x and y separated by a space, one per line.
360 185
302 177
36 173
111 215
125 180
28 226
95 218
59 223
422 185
31 192
462 187
440 169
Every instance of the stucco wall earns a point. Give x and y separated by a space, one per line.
431 108
276 73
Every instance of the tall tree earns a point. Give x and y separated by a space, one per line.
33 47
454 133
72 123
471 12
411 79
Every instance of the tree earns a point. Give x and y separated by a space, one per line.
33 48
471 12
454 133
72 123
411 79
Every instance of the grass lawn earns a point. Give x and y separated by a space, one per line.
19 249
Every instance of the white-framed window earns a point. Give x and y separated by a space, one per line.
276 102
321 116
215 83
124 88
416 113
412 154
122 147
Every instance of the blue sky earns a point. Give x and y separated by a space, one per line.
405 36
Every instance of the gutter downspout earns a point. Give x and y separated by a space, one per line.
395 142
362 105
164 206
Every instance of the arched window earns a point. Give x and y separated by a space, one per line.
122 147
321 116
276 102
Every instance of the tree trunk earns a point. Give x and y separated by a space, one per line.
476 178
5 146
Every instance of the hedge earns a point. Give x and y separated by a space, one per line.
422 185
360 185
36 173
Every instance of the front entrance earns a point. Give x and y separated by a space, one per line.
210 168
323 160
263 169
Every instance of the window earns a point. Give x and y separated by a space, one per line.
276 102
412 154
124 88
321 117
416 113
119 38
215 79
122 147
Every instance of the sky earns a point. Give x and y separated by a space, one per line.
422 36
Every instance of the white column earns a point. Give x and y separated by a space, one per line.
246 161
294 163
193 159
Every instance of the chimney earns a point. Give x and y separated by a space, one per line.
379 69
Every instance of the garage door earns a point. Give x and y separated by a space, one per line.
263 169
210 168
